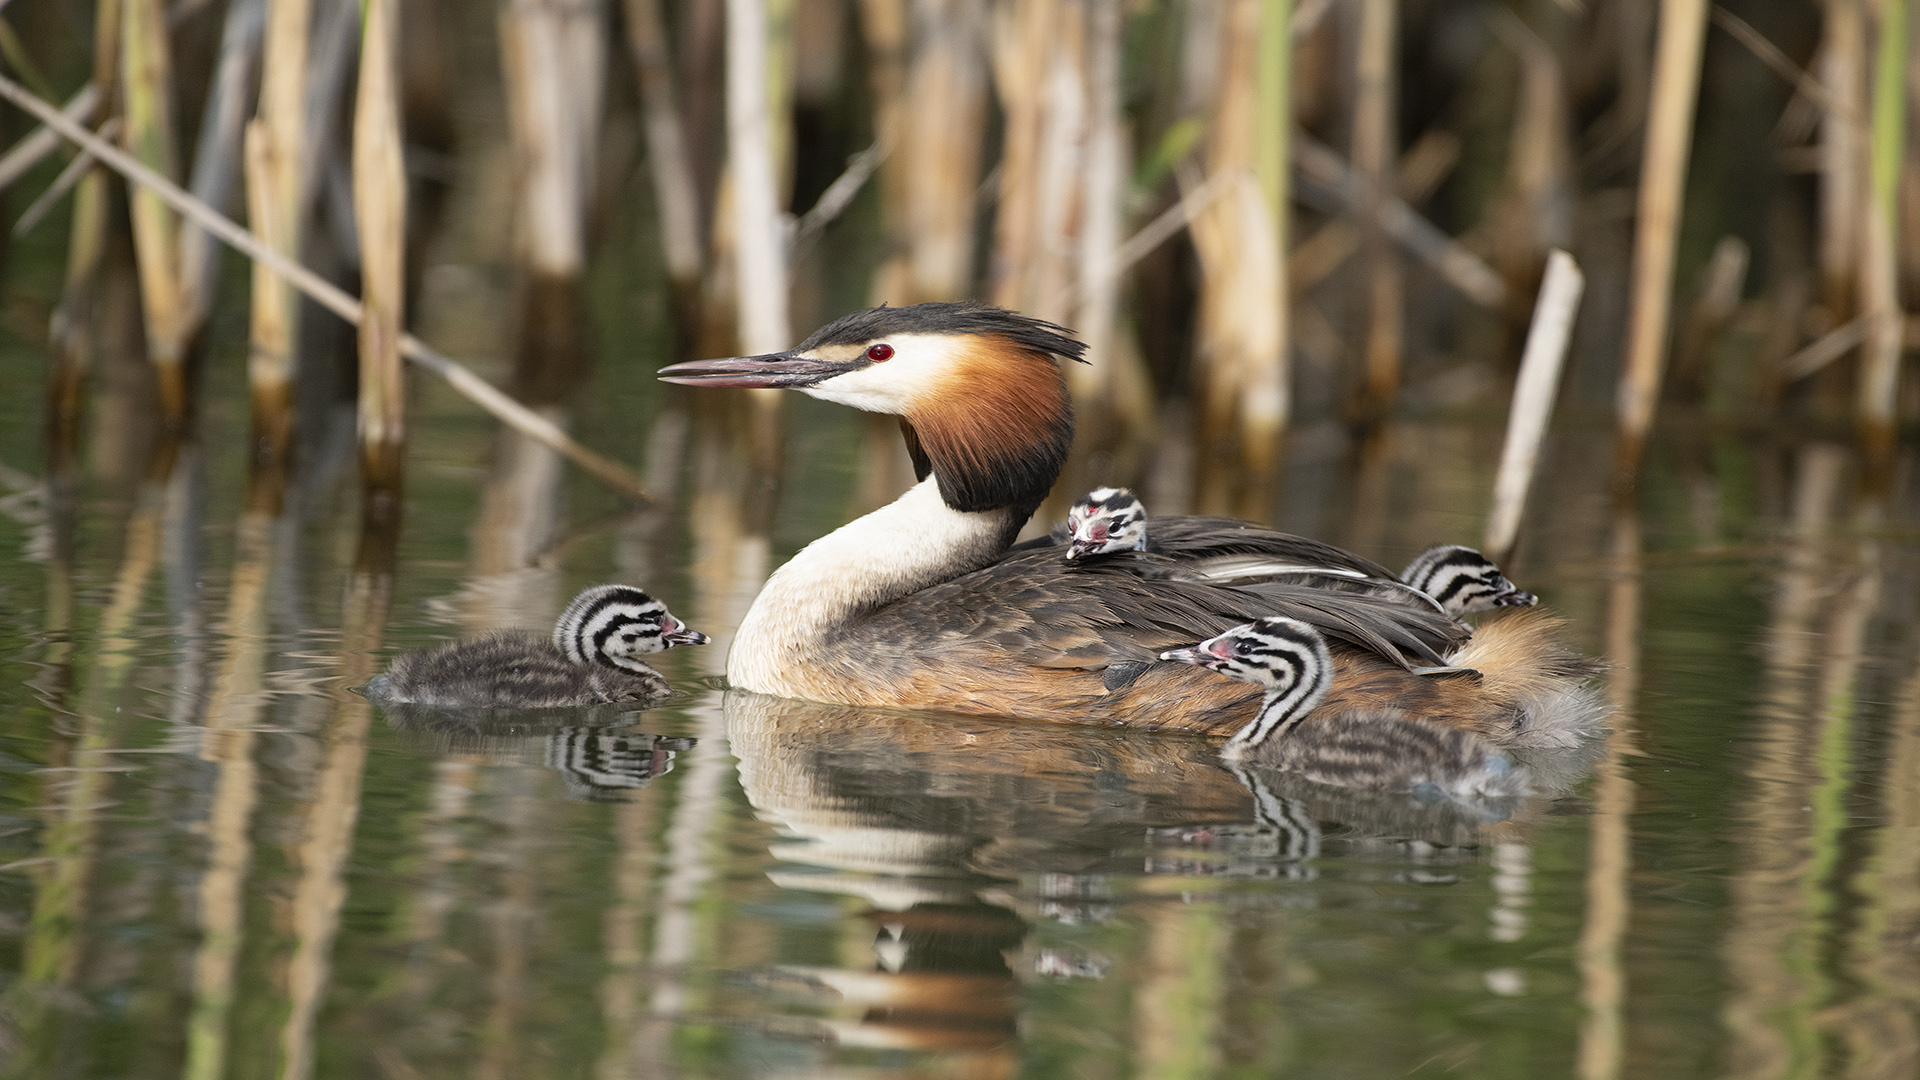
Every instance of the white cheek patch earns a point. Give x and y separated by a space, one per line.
919 362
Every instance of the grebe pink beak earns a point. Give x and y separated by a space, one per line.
674 632
1212 653
782 370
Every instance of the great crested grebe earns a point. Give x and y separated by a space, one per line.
593 657
1108 521
922 604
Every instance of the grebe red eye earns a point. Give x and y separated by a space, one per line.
880 353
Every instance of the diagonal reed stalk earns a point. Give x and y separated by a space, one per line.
330 296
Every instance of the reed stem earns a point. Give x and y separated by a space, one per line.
1533 394
1375 149
271 149
1663 174
380 214
147 88
1879 382
330 296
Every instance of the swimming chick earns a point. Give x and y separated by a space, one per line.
593 657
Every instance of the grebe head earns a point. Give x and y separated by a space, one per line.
617 625
1464 580
1285 657
981 400
1106 520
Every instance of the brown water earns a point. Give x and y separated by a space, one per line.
220 862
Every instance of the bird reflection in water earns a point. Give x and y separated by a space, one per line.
597 754
962 834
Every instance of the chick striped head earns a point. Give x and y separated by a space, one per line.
1106 520
616 625
1463 580
1285 657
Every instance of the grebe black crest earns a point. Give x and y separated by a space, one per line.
593 657
926 602
1463 580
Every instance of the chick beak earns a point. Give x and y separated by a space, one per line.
1211 654
783 370
676 633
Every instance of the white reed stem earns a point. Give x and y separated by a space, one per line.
1533 396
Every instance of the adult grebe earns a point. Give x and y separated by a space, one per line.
592 657
922 604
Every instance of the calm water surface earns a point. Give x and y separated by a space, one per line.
220 862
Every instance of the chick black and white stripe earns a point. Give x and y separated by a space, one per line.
1463 580
603 766
1286 657
617 624
1106 520
592 657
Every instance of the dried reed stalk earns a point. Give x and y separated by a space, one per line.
272 148
380 215
1663 172
147 89
756 144
1039 60
330 296
217 158
31 150
1333 187
1535 211
1375 150
946 114
883 26
1115 378
1843 66
72 333
1422 169
1241 346
1879 382
759 242
553 58
674 187
1533 395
